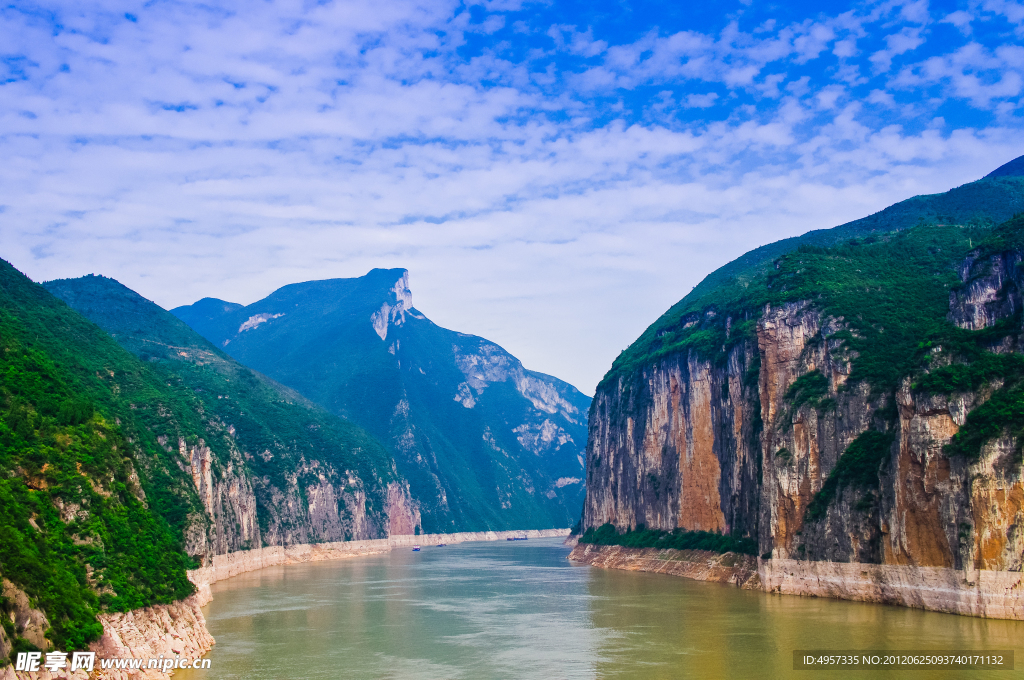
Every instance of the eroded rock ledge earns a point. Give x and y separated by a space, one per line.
982 592
700 565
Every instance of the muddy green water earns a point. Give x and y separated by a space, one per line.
522 610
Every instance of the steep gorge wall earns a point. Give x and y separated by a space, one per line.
317 504
688 443
676 447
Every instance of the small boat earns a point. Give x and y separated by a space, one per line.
442 545
415 548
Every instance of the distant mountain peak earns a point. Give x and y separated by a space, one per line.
204 311
1014 168
484 442
394 308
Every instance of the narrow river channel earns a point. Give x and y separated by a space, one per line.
522 610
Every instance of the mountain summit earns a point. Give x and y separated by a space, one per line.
485 443
1014 168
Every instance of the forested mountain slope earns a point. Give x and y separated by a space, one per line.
93 509
988 201
117 474
308 476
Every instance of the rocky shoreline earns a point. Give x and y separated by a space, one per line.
699 565
975 592
179 629
982 593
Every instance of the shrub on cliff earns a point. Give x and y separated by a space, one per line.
679 539
857 467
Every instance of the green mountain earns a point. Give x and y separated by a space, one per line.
306 476
991 200
484 443
93 509
120 472
850 396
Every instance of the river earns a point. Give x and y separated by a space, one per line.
522 610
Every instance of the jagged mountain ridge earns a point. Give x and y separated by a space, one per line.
484 442
853 402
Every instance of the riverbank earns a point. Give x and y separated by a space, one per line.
975 592
980 593
699 565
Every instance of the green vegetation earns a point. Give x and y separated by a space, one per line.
92 506
890 290
679 539
985 202
93 497
1003 413
808 388
264 417
857 467
785 272
984 367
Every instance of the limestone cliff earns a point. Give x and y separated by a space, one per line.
814 422
317 503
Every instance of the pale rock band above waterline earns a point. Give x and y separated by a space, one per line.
179 629
978 592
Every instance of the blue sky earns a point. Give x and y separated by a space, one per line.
553 174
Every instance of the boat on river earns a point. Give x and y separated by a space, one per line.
415 548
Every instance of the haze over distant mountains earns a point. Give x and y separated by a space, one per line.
484 442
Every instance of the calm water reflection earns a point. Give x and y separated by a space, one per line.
521 610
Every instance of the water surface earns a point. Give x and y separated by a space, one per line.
522 610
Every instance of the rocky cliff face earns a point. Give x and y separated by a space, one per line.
676 446
316 504
748 443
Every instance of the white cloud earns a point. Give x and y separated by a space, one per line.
960 19
701 101
541 200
